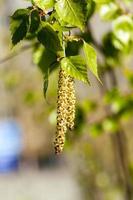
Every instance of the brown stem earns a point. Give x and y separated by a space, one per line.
120 147
118 138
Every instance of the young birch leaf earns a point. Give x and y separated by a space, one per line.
19 25
19 14
46 61
71 11
75 67
34 21
44 58
19 30
91 58
44 4
90 8
49 38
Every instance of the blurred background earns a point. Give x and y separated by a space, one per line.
97 163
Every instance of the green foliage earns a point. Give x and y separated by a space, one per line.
123 33
30 98
49 25
102 1
61 35
110 125
109 11
129 75
96 129
75 66
46 61
90 8
34 21
44 58
73 47
120 105
49 38
52 29
91 58
19 25
71 12
43 4
110 52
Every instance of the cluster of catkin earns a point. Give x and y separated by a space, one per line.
65 109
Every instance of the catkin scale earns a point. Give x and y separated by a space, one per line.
65 109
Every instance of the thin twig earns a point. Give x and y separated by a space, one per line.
14 54
122 6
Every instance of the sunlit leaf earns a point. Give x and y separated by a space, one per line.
71 11
91 58
76 67
44 4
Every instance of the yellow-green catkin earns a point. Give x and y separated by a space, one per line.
62 105
65 109
71 104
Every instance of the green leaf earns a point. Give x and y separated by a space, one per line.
34 21
46 61
108 48
20 13
96 130
91 58
102 1
44 58
90 8
123 33
19 30
73 47
49 38
19 24
71 11
123 23
110 125
45 84
44 4
75 67
109 11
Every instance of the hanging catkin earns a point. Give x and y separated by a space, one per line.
65 109
62 105
71 104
